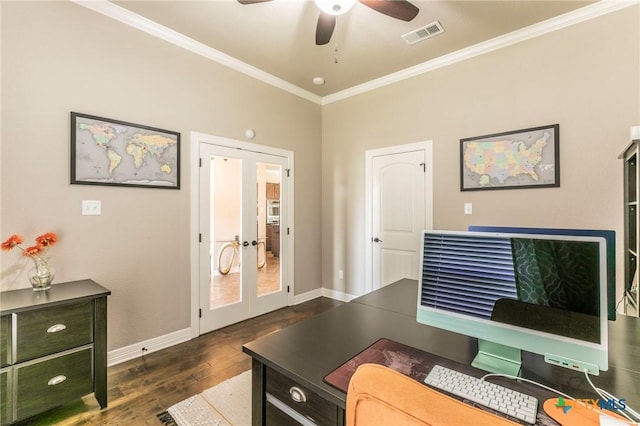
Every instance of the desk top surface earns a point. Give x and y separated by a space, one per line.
309 350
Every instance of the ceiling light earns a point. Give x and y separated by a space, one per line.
335 7
318 81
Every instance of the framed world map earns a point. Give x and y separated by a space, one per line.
527 158
112 152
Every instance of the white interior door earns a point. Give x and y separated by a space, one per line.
241 252
398 215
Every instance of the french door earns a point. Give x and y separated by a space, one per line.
243 210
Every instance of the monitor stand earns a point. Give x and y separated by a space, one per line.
497 358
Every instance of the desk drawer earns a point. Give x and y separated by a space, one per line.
309 404
276 417
46 331
49 383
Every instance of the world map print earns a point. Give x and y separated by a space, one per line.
119 153
515 160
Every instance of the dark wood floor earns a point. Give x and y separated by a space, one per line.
141 388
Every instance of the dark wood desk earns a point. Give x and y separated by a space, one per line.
301 355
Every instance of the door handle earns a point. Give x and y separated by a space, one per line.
254 243
376 240
245 243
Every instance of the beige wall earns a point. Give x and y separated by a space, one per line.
59 57
583 77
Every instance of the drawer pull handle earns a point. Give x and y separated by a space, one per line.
57 380
297 394
56 328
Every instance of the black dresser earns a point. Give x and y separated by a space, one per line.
53 347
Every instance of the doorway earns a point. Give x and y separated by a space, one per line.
399 205
243 254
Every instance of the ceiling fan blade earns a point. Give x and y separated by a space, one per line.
399 9
252 1
324 29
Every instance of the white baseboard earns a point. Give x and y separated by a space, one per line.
130 352
322 292
305 297
152 345
337 295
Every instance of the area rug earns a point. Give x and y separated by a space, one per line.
227 404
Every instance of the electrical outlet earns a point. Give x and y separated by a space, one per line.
341 274
468 208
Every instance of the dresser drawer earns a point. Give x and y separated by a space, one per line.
5 340
46 384
47 331
5 404
300 399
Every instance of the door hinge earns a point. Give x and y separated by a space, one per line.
199 313
288 231
199 238
424 167
288 170
200 162
288 289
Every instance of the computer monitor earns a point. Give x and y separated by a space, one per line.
545 294
608 235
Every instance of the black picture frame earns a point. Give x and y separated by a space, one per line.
112 152
517 159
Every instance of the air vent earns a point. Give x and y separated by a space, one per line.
423 33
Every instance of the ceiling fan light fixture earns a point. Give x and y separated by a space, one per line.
335 7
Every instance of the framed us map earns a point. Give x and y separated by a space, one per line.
527 158
112 152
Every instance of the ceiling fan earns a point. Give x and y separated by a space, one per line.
329 9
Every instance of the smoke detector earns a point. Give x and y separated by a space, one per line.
423 33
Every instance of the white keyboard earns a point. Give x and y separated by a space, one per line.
499 398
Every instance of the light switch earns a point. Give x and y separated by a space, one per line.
468 208
91 207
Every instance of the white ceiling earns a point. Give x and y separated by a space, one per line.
278 37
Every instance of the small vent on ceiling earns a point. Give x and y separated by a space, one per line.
423 33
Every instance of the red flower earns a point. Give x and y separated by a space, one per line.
33 250
47 239
12 241
43 242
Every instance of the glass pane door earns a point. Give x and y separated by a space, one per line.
268 219
271 291
223 280
226 210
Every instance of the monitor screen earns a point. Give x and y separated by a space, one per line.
545 294
608 235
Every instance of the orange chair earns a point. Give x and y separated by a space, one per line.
379 396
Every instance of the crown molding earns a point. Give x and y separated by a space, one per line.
577 16
141 23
